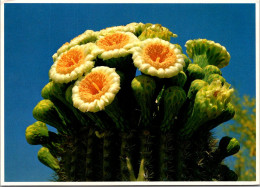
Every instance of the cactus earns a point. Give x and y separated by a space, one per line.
115 126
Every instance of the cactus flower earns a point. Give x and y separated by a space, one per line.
73 63
87 36
115 45
206 52
158 58
96 90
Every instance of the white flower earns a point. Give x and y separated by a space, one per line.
96 90
86 37
73 63
115 45
157 57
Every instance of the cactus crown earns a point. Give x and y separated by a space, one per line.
113 125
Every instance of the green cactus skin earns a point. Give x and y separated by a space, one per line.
144 91
128 156
115 112
178 80
93 170
174 97
154 130
166 157
47 159
110 159
146 170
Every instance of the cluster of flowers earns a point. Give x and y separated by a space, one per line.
96 87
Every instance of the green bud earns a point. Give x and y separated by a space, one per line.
37 133
206 52
156 31
214 77
47 159
54 90
229 146
194 71
211 69
211 100
46 112
195 86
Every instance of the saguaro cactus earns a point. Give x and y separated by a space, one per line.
115 126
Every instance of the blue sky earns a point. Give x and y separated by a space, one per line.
33 33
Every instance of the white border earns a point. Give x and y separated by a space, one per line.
2 182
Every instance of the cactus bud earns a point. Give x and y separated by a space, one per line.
214 77
156 31
209 103
229 146
211 69
47 159
206 52
194 71
46 112
37 133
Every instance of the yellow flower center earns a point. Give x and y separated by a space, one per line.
113 41
159 55
69 61
93 86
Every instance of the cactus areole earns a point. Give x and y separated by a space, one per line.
115 126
